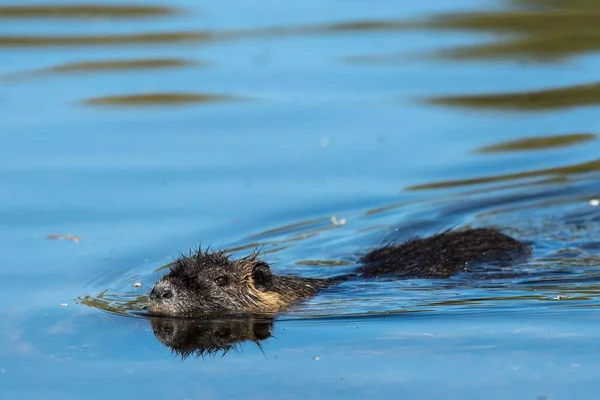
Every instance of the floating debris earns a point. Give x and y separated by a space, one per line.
63 304
595 202
559 297
137 285
336 221
72 238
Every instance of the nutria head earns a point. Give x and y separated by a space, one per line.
204 283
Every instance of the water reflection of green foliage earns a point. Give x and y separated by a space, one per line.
536 30
538 143
574 169
554 98
161 99
82 11
533 31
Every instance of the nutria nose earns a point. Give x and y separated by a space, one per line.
158 293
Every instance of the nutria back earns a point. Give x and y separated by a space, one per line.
443 254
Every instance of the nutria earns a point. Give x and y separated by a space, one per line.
212 283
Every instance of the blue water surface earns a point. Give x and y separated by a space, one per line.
315 130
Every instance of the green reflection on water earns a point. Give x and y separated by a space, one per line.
163 99
582 168
563 97
538 143
103 40
536 30
99 66
136 64
84 11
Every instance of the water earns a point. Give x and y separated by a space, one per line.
316 130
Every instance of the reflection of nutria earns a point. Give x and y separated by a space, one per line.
211 283
211 336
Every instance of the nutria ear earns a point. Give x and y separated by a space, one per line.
262 276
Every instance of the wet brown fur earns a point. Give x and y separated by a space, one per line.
209 283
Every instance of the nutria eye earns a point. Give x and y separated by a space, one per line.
222 281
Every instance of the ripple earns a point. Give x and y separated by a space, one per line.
582 168
566 29
163 99
121 304
547 99
106 66
534 31
562 4
103 40
550 47
560 224
519 22
198 36
84 11
538 143
103 65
